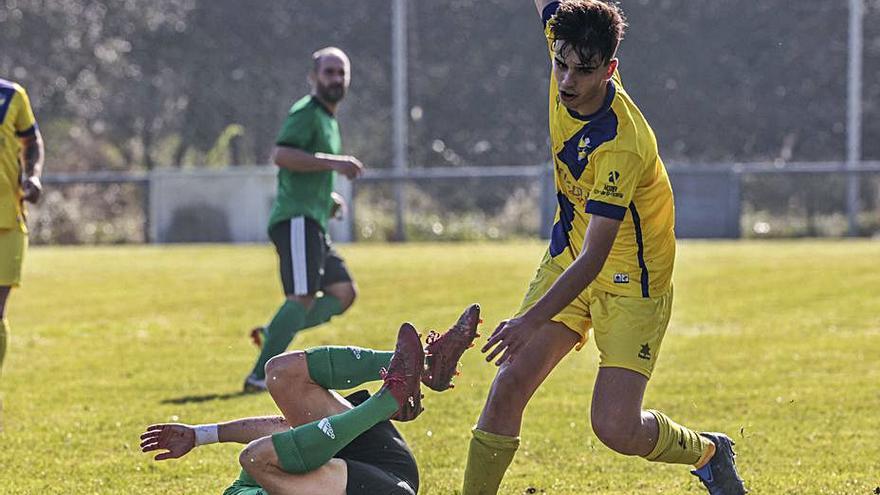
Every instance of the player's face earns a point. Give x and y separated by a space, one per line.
332 78
581 84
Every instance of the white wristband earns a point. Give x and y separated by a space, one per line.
206 434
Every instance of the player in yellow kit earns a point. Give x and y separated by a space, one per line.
608 267
21 162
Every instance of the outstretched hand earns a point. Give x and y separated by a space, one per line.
175 438
509 337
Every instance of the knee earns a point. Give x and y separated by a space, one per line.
257 457
617 434
347 296
286 369
509 389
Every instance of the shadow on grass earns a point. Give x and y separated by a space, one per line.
194 399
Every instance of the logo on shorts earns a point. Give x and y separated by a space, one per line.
645 353
621 278
356 352
327 428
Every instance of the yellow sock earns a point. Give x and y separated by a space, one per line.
489 456
679 445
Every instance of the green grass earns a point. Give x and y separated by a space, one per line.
777 343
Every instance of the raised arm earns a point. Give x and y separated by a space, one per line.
298 160
177 439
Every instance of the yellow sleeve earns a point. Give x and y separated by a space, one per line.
618 173
546 15
24 121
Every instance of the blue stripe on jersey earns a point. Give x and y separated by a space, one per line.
605 210
575 153
638 225
548 11
6 95
30 131
559 237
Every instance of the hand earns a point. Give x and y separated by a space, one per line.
32 189
338 209
178 439
349 166
510 336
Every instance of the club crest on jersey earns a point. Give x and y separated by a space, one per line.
621 278
613 176
583 147
582 143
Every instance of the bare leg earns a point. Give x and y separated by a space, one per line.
299 398
4 296
517 381
346 292
261 462
616 412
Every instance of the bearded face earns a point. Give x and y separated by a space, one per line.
331 78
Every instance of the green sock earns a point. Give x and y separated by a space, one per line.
325 307
335 367
488 457
287 321
4 329
677 444
310 446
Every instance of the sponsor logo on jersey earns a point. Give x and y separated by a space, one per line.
613 176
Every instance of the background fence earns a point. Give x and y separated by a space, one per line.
452 203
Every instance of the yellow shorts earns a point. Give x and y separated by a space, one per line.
628 330
13 245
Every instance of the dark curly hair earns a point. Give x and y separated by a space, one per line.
593 28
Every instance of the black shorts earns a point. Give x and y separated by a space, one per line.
379 462
307 260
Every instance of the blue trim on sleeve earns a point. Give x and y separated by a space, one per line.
30 131
548 12
606 210
637 222
7 93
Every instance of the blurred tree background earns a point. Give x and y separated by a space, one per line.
142 84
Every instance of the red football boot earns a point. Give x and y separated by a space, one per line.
442 352
404 373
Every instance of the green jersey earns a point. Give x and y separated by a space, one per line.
310 128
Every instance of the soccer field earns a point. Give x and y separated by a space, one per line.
776 343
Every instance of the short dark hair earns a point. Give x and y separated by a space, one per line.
591 27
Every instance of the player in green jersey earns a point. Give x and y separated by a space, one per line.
316 282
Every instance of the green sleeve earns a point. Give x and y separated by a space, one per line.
298 130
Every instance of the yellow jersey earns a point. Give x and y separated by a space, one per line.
16 121
607 164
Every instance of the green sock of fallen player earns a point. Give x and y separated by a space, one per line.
337 368
289 319
310 446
